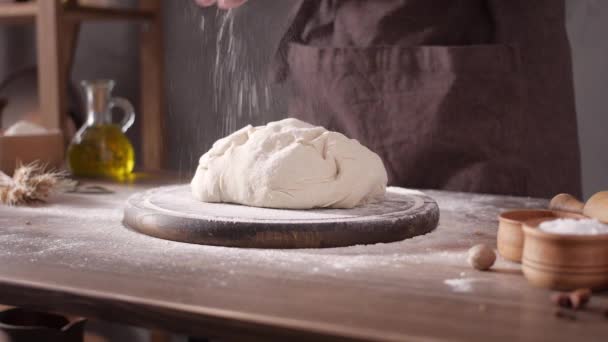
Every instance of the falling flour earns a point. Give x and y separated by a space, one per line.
574 227
240 94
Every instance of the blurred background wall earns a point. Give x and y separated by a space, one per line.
206 99
587 25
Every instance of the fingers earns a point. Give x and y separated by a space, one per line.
227 4
205 3
223 4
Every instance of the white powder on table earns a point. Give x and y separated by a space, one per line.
84 232
574 227
463 285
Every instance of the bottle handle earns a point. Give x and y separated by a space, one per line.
127 108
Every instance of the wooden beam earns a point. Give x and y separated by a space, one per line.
69 31
151 85
51 76
20 10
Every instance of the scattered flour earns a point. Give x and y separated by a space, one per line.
463 284
177 200
460 285
84 232
574 227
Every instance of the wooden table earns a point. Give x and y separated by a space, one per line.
75 256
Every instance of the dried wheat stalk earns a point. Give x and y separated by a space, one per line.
31 184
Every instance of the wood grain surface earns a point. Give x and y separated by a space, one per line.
75 256
52 75
172 213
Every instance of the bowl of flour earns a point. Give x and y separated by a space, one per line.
584 227
566 253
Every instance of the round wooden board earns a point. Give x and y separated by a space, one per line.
172 213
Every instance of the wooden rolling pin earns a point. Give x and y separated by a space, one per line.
596 207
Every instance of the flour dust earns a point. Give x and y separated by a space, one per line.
240 94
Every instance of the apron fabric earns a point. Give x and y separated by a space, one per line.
469 95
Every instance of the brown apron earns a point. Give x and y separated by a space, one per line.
468 95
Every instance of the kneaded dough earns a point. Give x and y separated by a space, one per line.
289 164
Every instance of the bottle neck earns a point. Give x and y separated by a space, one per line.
97 102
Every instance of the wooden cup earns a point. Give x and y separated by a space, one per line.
510 238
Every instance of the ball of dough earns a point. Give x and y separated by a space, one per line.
289 164
481 257
596 207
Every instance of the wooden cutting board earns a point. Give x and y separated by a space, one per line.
172 213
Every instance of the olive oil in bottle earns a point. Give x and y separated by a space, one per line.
101 148
103 151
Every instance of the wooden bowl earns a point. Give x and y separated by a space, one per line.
510 238
564 262
46 148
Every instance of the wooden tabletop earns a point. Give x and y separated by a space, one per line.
74 256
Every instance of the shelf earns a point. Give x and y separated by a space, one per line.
58 23
25 11
82 13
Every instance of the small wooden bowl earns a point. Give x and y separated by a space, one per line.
46 148
510 238
564 262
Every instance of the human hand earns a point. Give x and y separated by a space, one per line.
224 4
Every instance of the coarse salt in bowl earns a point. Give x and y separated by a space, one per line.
574 227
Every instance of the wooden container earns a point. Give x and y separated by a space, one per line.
46 148
564 262
510 238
